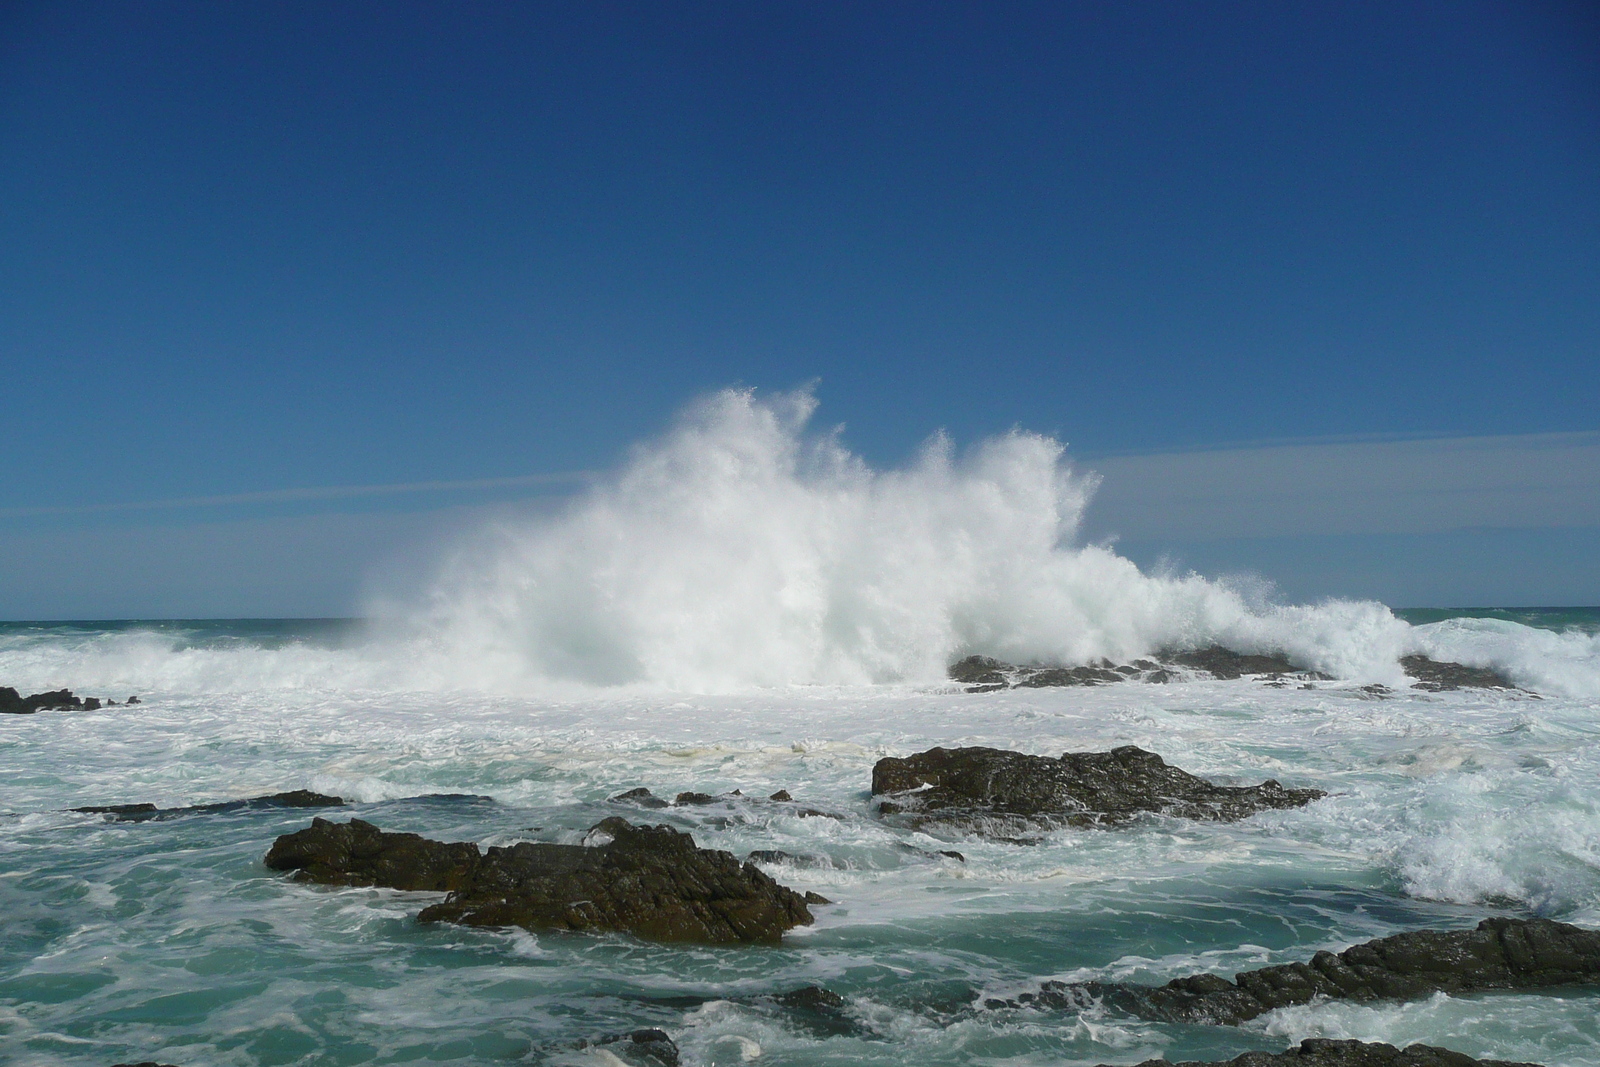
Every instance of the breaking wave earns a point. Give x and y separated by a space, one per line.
742 550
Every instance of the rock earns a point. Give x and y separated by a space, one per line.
142 1063
693 799
1439 676
298 798
1055 676
11 703
1225 663
357 853
819 1010
979 670
972 785
650 881
640 797
781 795
641 1048
1323 1052
1499 954
131 700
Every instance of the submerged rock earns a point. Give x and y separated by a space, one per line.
650 881
297 798
1442 676
641 1048
1498 954
972 785
1323 1052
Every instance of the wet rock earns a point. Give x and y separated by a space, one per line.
297 798
1375 691
142 1063
781 795
650 881
691 799
640 797
1323 1052
1222 662
974 785
1440 676
821 1011
12 703
980 670
357 853
1499 954
641 1048
1056 676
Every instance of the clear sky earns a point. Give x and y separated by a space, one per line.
252 249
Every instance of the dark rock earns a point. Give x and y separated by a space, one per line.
640 797
1160 676
1498 954
972 785
298 798
693 799
1374 692
57 700
1323 1052
781 795
1437 676
1225 663
650 881
816 898
142 1063
357 853
641 1048
778 856
131 700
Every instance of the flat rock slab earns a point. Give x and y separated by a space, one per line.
1500 954
1442 676
650 881
972 785
1320 1052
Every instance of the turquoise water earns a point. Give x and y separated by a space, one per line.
169 940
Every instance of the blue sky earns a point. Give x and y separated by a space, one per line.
251 250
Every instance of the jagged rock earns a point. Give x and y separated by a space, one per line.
1499 954
691 799
298 798
641 1048
781 795
972 785
1323 1052
650 881
1440 676
822 1011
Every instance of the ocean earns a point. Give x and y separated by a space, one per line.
746 606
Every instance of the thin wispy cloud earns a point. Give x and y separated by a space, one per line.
312 493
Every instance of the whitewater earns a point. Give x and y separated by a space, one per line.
745 604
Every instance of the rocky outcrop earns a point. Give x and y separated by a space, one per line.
1321 1052
650 881
977 785
1442 676
297 798
1498 954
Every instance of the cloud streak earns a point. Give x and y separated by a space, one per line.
1352 487
289 496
